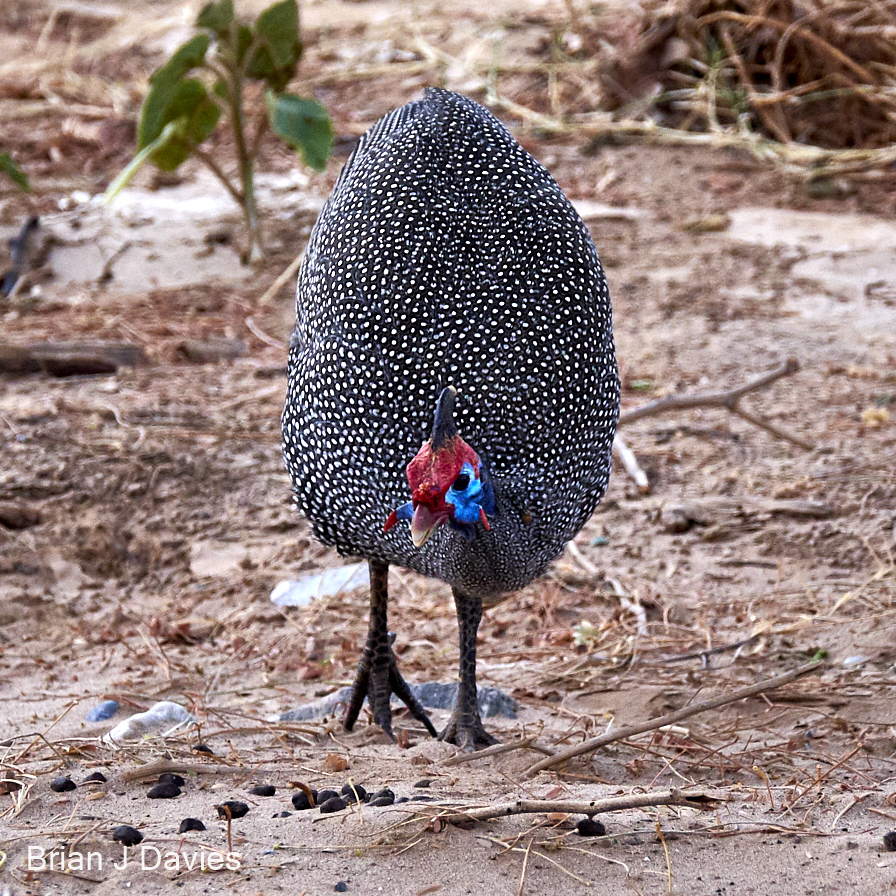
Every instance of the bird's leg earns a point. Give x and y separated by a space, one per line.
465 725
378 676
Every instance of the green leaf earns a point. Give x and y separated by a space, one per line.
163 84
13 172
280 48
242 44
194 115
139 160
303 124
216 17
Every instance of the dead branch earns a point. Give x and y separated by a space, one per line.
161 766
497 749
728 399
672 797
671 718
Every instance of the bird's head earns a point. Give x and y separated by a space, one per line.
448 482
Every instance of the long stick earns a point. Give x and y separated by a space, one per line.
580 807
595 743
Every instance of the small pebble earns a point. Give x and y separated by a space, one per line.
325 795
301 802
422 798
237 809
126 835
166 791
202 748
62 784
890 841
424 783
591 827
170 778
333 804
283 814
263 790
349 794
102 711
190 824
341 887
95 778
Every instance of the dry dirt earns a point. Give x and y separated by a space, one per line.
152 519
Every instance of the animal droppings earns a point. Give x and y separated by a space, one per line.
164 791
591 827
334 804
301 802
263 790
62 784
126 835
233 809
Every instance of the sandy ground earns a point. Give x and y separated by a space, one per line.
148 518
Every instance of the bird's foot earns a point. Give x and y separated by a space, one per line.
378 679
468 733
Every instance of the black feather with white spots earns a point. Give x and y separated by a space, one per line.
446 255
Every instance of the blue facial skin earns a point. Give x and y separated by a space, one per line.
468 502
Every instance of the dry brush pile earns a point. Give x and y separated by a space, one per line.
806 71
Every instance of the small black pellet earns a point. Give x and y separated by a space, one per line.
95 778
62 784
301 802
333 804
166 791
170 778
237 809
190 824
591 827
349 794
126 835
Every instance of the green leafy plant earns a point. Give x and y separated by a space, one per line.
205 80
13 172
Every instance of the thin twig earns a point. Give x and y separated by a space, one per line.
674 797
728 399
630 463
282 280
522 886
671 718
460 758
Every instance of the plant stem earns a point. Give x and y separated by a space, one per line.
215 169
245 157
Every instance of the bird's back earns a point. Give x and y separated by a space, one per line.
446 255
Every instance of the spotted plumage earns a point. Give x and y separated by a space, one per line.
447 256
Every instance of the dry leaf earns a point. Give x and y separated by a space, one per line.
875 417
336 763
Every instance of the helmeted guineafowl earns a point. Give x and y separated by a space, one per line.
449 277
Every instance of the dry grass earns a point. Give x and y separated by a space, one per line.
812 72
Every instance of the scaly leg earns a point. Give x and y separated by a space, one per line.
465 727
378 677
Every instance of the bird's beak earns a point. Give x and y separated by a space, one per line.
424 524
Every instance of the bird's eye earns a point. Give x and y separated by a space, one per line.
461 483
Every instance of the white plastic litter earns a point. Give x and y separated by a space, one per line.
162 719
300 593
